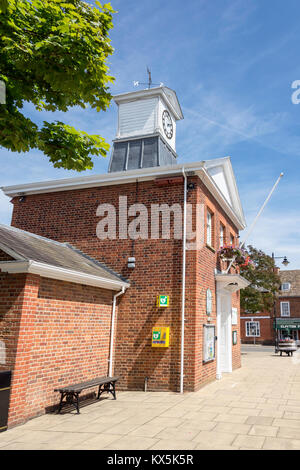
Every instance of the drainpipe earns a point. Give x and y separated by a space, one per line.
183 283
111 348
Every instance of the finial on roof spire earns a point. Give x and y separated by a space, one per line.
149 83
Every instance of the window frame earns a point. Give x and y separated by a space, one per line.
222 235
209 239
281 308
285 284
257 323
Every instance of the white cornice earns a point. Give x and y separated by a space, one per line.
62 274
123 177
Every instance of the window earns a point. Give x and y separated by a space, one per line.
209 218
252 328
285 286
222 235
285 309
231 240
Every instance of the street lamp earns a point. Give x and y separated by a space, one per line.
285 262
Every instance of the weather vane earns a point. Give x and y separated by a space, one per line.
149 83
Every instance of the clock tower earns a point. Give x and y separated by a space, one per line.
146 133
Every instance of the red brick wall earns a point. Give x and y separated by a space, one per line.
266 329
11 303
294 306
5 256
23 370
56 333
70 341
71 216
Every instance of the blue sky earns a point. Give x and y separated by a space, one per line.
231 63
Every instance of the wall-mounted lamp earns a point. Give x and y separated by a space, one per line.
232 287
131 263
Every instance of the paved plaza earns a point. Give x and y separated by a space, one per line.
255 407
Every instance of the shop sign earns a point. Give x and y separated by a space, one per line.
283 324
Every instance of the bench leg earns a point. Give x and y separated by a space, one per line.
109 388
72 398
61 403
77 402
113 391
99 392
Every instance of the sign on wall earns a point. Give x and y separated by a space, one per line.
234 338
234 316
208 302
162 301
160 336
208 343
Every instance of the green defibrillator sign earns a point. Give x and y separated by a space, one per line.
162 301
160 336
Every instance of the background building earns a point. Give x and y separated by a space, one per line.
285 319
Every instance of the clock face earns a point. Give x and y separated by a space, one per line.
167 124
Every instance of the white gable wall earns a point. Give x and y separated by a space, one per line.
217 174
221 172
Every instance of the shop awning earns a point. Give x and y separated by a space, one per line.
287 324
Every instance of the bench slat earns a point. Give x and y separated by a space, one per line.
90 383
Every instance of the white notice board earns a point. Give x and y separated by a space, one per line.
208 343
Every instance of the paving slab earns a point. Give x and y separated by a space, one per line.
233 428
249 442
261 430
276 443
255 407
215 439
261 420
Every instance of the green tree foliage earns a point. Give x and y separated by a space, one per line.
53 54
265 282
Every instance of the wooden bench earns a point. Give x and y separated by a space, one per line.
71 393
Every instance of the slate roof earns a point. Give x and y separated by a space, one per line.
293 277
25 246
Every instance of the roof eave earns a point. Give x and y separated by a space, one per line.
61 274
126 177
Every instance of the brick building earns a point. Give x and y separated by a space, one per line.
135 223
285 320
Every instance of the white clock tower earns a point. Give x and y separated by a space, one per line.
146 133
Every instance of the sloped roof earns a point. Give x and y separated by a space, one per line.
25 246
293 277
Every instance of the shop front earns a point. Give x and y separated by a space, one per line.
287 328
